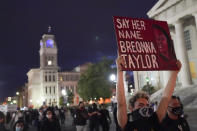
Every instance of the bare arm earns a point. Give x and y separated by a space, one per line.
167 94
120 94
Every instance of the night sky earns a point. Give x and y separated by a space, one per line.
84 32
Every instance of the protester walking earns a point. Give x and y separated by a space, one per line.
174 121
20 126
80 118
2 122
104 118
50 121
94 114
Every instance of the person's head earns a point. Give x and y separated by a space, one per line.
163 41
94 106
2 117
175 108
19 125
81 105
50 115
103 106
139 100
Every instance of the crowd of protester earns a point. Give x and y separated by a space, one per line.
142 115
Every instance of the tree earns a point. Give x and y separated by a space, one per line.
70 96
94 82
149 89
61 102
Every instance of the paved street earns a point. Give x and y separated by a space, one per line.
192 118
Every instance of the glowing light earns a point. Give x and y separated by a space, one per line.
49 43
112 77
64 92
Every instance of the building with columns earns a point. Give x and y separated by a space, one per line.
181 16
45 84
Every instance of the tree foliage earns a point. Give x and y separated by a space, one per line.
70 96
94 82
149 89
61 101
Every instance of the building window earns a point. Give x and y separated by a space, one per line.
54 89
46 78
46 89
187 40
53 77
61 79
49 77
61 88
50 90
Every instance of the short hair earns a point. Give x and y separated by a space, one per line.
81 102
178 98
139 94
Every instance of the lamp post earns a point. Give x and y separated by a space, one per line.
18 102
64 93
112 78
147 82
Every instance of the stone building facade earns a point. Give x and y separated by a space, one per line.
181 16
45 84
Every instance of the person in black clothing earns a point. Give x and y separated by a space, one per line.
2 122
143 118
105 119
174 120
94 114
20 125
81 116
62 116
8 117
50 122
115 117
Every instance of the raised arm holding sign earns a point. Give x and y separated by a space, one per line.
143 45
142 117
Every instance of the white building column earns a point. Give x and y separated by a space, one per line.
182 54
195 16
136 80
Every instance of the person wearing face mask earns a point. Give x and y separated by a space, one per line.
174 120
50 122
20 126
143 118
80 117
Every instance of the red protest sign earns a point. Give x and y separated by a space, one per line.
145 44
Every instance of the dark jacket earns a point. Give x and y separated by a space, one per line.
81 116
50 125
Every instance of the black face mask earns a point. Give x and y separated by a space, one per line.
142 113
178 111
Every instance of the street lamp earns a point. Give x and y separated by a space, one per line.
64 93
17 93
112 77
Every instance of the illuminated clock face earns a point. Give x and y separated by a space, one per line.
49 62
49 43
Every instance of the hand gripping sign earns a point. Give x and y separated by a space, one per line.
144 44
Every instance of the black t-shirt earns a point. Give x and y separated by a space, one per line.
147 124
94 118
174 125
81 117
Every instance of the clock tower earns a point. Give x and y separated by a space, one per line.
48 52
49 69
